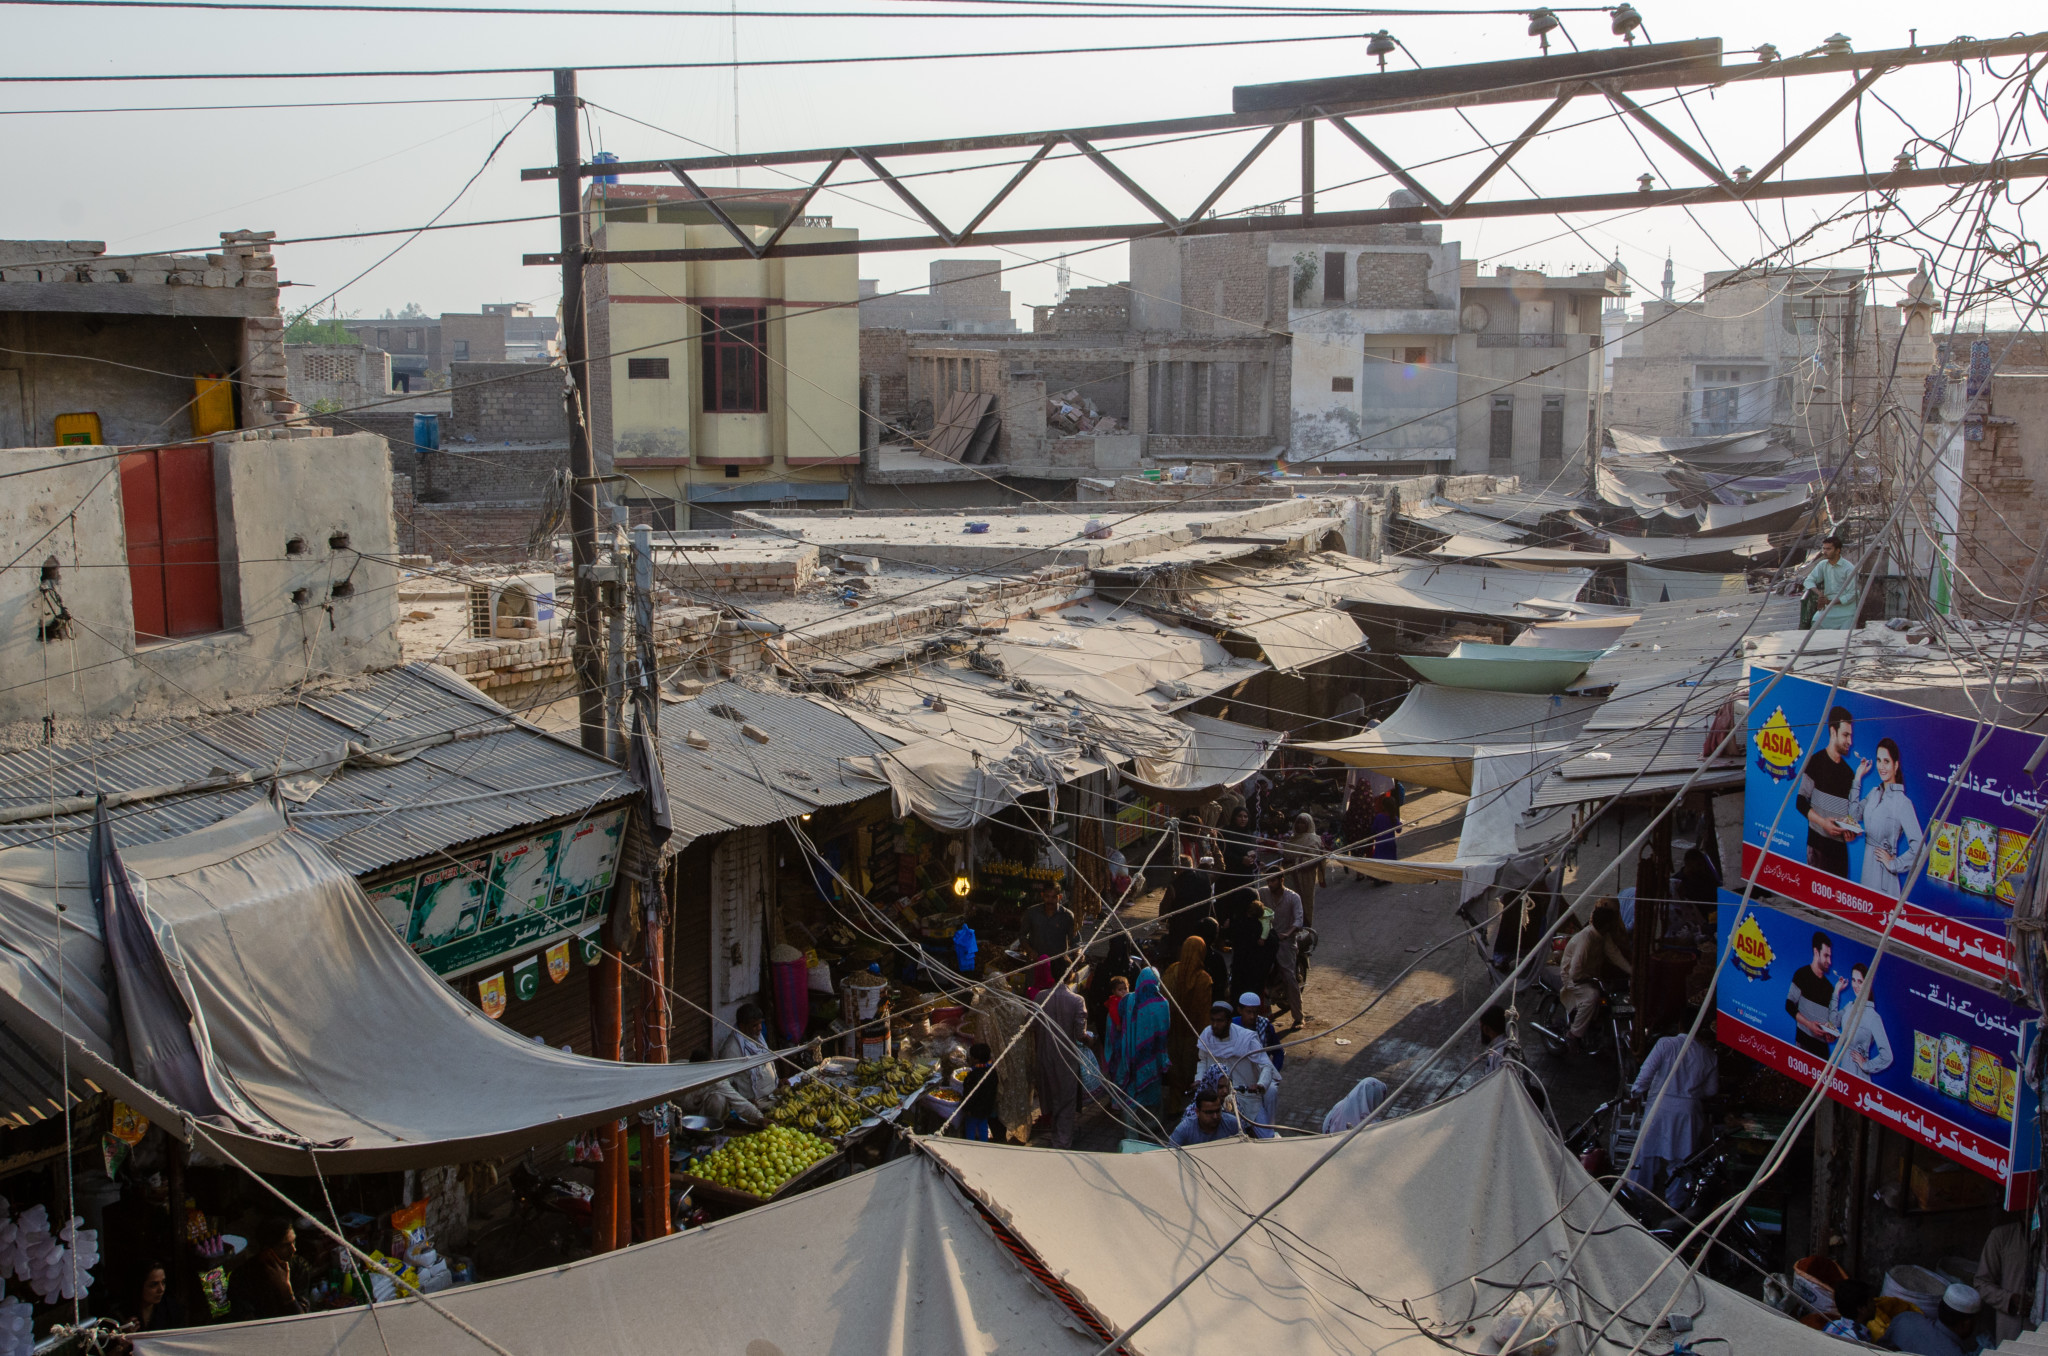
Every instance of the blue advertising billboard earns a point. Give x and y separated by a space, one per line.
1840 799
1936 1059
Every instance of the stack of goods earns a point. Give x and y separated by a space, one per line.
761 1164
55 1265
17 1327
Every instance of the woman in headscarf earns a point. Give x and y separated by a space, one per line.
1240 864
1142 1034
1386 826
1000 1016
1358 1103
1189 986
1305 855
1213 959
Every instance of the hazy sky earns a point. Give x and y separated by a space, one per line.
161 180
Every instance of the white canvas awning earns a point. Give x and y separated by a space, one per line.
1219 754
886 1263
1418 1230
1430 739
312 1022
1514 557
1647 584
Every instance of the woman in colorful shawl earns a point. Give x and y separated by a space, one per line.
1190 987
1141 1059
1386 826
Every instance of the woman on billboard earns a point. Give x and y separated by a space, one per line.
1891 826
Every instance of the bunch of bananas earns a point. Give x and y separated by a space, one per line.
898 1076
816 1106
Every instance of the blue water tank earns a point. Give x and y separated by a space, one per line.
426 432
604 158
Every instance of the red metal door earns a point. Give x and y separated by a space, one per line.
173 541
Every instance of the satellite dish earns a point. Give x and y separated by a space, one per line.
1474 317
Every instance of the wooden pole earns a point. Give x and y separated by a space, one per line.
607 980
654 1168
585 648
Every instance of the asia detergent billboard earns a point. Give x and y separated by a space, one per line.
1934 1058
1840 803
465 913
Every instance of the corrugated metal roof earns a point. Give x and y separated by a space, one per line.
494 775
738 782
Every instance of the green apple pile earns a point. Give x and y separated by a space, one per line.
761 1163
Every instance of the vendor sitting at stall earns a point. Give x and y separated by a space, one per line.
743 1041
718 1102
261 1286
1049 929
154 1308
1206 1120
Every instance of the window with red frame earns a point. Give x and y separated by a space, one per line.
735 359
173 541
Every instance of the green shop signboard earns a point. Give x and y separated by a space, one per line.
464 914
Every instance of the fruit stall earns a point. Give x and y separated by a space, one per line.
813 1122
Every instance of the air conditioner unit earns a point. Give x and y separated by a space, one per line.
512 608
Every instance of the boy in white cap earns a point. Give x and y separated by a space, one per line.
1241 1058
1951 1333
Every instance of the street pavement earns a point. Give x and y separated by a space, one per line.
1370 933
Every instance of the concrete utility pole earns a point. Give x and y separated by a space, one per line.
585 649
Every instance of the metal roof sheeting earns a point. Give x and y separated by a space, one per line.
489 773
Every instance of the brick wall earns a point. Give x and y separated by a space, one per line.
886 353
461 475
506 402
393 427
1166 446
1087 310
402 510
1394 280
2003 517
476 534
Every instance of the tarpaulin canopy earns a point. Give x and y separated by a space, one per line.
1170 666
1772 514
1504 781
1685 553
1503 668
885 1263
1418 1230
1464 590
1293 627
1431 737
739 757
312 1022
1592 633
1513 557
1647 584
1219 754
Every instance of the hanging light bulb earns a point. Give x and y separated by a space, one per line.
1542 23
962 885
1626 22
1381 45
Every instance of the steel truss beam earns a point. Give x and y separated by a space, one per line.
1610 73
2031 167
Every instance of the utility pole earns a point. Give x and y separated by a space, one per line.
584 645
611 1209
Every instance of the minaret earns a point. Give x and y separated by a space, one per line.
1670 280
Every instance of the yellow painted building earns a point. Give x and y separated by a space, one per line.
725 384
